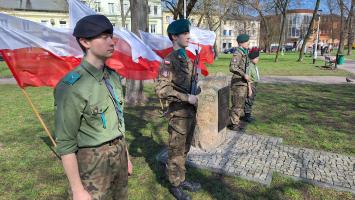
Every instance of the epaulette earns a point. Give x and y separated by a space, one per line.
71 78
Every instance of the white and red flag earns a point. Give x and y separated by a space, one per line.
200 40
38 55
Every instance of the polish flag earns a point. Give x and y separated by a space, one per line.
200 40
132 58
38 55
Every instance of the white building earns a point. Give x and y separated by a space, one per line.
112 9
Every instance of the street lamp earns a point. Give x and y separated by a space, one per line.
317 39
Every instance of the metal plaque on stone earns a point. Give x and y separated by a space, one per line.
223 107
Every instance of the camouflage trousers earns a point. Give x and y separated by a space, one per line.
181 131
238 97
249 102
103 171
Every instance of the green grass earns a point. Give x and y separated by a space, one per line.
287 66
311 116
351 57
4 70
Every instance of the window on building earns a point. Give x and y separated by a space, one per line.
229 45
63 23
225 32
224 45
230 33
25 25
126 26
45 22
155 10
111 8
3 22
98 6
149 11
153 28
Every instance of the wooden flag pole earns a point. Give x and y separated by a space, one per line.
38 116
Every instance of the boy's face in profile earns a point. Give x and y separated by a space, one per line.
255 60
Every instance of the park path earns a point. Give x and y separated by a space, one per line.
255 157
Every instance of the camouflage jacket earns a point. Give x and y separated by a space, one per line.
238 65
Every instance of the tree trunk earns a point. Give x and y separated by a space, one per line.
281 35
309 31
139 21
267 33
342 27
350 28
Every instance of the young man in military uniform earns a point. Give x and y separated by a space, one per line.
174 85
89 124
253 72
239 86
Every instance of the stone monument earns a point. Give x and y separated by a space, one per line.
212 112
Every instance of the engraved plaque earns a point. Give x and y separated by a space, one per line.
223 108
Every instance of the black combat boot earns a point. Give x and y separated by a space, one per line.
190 186
234 127
178 193
248 118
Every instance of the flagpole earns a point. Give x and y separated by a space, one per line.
184 9
38 116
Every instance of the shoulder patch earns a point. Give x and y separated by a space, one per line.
71 78
234 59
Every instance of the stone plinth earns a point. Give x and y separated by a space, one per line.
208 135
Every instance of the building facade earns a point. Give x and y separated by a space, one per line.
112 9
52 13
297 24
234 26
227 32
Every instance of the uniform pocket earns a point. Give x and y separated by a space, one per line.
98 116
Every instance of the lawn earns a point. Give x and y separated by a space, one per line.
4 70
313 116
352 56
287 66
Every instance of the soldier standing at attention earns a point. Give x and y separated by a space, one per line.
174 85
89 123
239 85
253 72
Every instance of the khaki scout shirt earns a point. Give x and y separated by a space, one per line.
85 115
238 65
174 82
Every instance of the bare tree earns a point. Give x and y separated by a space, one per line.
310 31
176 7
350 23
139 21
282 6
124 13
342 27
262 7
332 6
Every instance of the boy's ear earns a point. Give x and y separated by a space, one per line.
85 43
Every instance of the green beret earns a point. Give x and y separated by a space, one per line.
243 38
179 26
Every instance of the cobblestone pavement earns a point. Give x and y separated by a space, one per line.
256 157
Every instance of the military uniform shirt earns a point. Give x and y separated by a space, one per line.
85 115
238 65
253 72
174 81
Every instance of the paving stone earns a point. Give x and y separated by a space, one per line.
255 157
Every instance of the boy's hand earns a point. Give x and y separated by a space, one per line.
247 77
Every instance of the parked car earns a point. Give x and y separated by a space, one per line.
230 50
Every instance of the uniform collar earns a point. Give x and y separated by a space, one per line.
245 51
93 71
